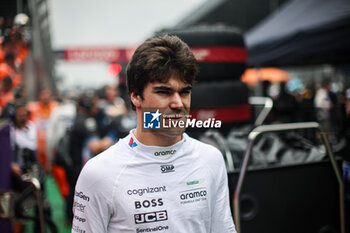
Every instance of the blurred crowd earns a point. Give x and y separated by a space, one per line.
63 133
13 52
317 101
60 132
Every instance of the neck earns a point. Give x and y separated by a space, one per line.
21 125
155 139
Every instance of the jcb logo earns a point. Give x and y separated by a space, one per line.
151 217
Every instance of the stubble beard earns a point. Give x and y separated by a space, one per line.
174 131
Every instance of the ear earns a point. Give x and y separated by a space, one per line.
135 99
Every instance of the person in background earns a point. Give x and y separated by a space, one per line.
60 120
325 103
285 105
23 135
113 111
40 114
19 93
306 110
6 92
19 47
14 43
85 141
8 69
24 161
113 105
59 124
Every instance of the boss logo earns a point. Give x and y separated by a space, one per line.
147 203
167 168
151 217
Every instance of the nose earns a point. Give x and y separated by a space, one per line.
176 101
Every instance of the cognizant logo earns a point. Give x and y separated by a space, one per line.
154 120
142 191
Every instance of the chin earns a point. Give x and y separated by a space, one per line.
173 132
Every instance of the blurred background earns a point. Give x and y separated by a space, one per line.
275 63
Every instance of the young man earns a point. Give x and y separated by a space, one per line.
156 180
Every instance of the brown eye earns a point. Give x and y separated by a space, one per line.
185 92
163 92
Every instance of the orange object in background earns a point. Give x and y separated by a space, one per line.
40 112
5 98
6 70
253 76
59 175
22 54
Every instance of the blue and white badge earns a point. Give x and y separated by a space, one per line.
151 120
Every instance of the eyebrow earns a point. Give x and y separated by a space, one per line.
170 89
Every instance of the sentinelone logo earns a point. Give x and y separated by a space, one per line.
152 120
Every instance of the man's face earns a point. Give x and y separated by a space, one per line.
172 98
94 108
21 116
111 93
45 96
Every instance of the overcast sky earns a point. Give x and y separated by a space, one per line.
115 23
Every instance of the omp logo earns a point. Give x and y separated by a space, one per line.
193 194
149 203
167 168
78 207
151 217
82 196
164 153
152 229
151 120
142 191
79 218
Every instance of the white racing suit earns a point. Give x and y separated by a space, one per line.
135 188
